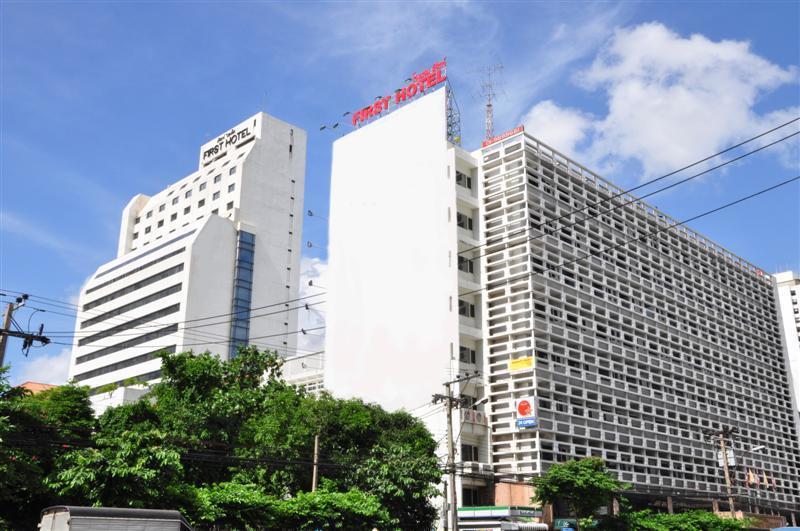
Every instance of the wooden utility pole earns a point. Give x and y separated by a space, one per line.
724 450
451 461
451 403
4 334
721 436
314 473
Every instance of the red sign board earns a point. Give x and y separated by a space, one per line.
505 135
421 82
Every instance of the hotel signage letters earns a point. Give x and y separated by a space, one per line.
231 138
419 83
505 135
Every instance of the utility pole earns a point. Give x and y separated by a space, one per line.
316 463
3 335
452 403
6 332
721 436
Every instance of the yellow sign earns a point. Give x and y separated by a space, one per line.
520 364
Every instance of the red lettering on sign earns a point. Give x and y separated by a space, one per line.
505 135
421 82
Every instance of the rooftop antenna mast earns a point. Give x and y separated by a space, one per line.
489 92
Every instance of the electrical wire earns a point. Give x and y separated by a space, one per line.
670 174
591 254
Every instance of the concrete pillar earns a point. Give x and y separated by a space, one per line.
670 509
615 506
715 505
794 521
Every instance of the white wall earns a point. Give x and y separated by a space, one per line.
390 318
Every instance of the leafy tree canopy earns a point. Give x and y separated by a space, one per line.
230 444
585 484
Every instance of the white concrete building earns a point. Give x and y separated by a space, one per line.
788 285
404 203
628 355
205 264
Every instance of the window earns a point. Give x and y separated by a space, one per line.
466 355
173 217
149 214
463 221
215 196
470 497
469 452
232 171
201 203
161 208
137 220
147 230
467 309
463 180
202 186
174 200
466 265
135 235
188 194
231 187
160 222
218 178
187 210
230 205
215 211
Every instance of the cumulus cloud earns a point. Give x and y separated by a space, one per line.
43 368
560 127
670 99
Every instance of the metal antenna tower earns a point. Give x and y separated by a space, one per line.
453 117
488 91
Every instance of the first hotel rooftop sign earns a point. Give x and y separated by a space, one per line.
425 80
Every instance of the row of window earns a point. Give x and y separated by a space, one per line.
188 194
130 362
114 330
171 329
242 291
140 378
188 209
132 305
136 270
134 287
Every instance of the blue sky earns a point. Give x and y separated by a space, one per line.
101 101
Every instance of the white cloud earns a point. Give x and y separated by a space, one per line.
560 127
43 368
670 99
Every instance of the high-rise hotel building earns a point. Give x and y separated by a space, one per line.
444 261
205 264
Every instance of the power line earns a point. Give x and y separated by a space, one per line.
631 240
651 181
499 239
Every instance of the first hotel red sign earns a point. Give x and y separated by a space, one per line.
421 82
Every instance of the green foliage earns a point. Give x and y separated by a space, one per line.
584 484
34 431
229 444
127 469
688 521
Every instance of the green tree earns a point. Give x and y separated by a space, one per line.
585 485
688 521
34 431
229 443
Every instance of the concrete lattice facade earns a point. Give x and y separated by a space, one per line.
637 350
217 243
